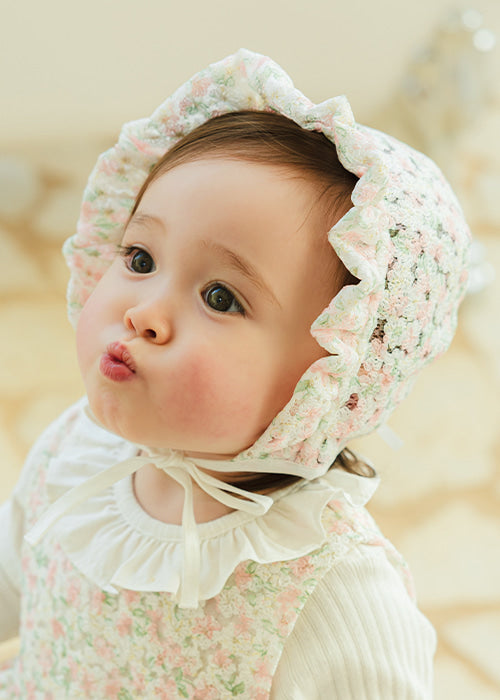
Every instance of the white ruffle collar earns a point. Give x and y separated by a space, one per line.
116 544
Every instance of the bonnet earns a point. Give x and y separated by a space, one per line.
406 241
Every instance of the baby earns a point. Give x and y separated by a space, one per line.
255 281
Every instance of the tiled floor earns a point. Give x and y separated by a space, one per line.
440 493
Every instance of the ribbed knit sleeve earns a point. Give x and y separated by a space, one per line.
359 637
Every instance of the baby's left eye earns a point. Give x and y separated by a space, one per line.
220 299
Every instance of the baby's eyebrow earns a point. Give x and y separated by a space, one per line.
141 217
242 265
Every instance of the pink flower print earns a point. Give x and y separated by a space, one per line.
308 455
341 527
73 593
29 621
243 625
302 567
139 684
172 653
35 502
262 670
124 625
74 669
57 629
32 580
103 649
30 691
275 443
142 146
208 692
98 599
67 566
200 86
289 598
112 690
88 684
51 573
207 626
107 166
367 193
242 578
25 563
45 658
221 658
283 624
131 597
88 210
153 629
322 371
167 691
160 658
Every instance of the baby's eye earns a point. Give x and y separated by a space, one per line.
138 260
220 299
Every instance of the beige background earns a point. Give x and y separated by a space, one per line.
72 73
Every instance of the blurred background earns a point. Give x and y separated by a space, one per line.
428 72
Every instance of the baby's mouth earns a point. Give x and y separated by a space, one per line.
117 363
120 353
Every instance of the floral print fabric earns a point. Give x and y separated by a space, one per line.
78 641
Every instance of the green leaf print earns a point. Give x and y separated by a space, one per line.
109 599
124 694
251 597
231 685
303 385
180 682
262 651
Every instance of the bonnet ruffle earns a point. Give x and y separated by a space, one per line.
405 239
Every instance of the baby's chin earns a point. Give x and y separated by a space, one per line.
208 452
110 416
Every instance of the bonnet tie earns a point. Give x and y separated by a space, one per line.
184 471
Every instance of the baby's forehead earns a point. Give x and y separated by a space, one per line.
284 211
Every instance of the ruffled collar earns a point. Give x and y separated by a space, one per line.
106 534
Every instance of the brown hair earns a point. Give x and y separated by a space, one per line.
273 139
269 138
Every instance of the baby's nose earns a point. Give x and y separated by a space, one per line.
150 322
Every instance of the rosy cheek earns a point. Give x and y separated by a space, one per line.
83 336
212 396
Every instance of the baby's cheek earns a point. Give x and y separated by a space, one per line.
217 396
84 337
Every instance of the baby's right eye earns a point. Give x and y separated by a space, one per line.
138 260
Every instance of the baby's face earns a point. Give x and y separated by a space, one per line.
197 334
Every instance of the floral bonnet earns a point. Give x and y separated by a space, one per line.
405 239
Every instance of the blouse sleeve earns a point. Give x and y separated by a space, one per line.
359 637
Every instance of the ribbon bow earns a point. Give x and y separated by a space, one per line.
184 471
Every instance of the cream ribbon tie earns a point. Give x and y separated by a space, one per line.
184 471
